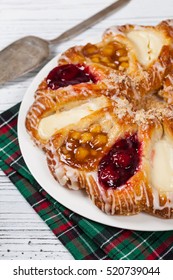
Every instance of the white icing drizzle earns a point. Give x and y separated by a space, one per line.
65 57
113 31
139 197
65 175
156 202
146 196
112 201
130 199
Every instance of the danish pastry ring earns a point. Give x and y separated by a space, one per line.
104 118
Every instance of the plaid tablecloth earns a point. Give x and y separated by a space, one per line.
85 239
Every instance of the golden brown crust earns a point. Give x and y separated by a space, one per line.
143 78
139 193
166 91
158 202
138 98
64 172
45 105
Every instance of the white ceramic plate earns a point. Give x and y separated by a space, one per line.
74 200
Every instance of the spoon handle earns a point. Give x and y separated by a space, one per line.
84 25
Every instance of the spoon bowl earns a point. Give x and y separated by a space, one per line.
22 56
29 52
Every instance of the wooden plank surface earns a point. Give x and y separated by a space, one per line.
23 235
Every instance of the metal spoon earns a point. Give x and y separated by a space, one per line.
29 52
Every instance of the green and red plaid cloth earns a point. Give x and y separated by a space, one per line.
85 239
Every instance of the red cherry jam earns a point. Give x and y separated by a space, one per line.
120 164
69 74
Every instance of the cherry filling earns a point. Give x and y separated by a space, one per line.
120 164
69 74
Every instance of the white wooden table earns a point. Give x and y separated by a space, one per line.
23 235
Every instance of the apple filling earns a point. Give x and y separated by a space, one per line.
162 166
50 124
113 55
84 149
120 164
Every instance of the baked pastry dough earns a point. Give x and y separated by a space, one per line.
77 148
141 53
167 90
123 162
69 86
76 155
104 117
157 165
46 116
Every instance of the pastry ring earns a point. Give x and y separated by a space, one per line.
104 118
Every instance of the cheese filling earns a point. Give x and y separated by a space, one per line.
49 125
147 45
162 166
